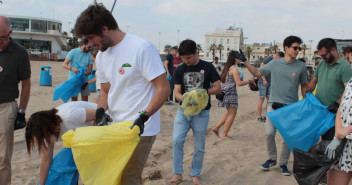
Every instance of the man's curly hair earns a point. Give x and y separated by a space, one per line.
93 19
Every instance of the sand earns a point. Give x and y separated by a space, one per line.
226 162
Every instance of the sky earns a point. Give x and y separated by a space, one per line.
171 21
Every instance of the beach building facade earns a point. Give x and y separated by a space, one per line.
39 35
230 39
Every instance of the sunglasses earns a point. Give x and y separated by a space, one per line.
297 48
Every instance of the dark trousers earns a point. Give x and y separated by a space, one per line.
171 82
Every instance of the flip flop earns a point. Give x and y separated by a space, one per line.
196 180
227 137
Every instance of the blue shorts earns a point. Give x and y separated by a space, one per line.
264 91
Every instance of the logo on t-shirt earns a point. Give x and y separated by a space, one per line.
122 70
293 75
193 80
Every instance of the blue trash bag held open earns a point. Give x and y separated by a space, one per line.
71 87
63 170
302 123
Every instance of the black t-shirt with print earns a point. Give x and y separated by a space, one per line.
199 76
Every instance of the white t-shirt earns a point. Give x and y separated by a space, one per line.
130 67
73 115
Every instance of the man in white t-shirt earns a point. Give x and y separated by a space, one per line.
133 81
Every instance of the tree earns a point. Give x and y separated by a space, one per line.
167 48
72 43
248 51
274 48
64 33
199 48
267 51
304 48
213 48
220 48
28 44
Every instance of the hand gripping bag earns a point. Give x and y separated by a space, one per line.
71 87
63 170
194 102
302 123
101 153
309 168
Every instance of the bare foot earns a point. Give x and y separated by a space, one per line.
177 178
226 137
215 131
196 180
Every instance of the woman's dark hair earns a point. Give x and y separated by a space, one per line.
231 60
93 19
187 47
42 128
292 39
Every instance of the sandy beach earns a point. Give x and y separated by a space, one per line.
226 162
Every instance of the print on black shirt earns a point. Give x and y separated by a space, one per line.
193 80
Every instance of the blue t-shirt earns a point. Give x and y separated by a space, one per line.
265 61
199 76
170 65
77 57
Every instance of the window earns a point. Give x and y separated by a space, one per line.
207 54
39 26
19 24
214 41
235 41
220 41
208 40
228 49
228 41
235 48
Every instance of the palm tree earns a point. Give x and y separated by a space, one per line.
199 48
267 51
248 51
274 48
304 48
167 48
220 48
213 48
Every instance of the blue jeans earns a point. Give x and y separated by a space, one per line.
199 126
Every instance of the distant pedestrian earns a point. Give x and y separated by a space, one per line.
169 67
79 57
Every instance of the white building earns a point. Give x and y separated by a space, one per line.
44 35
230 39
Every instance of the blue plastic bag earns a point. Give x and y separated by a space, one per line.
63 170
302 123
71 87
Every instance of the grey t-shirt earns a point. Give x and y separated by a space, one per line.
285 79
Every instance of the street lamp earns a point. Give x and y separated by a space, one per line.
311 54
69 27
178 37
245 38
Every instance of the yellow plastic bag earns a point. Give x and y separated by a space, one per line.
102 152
194 102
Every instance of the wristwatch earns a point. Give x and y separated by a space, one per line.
22 111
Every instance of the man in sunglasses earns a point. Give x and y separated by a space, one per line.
331 76
14 68
81 57
286 75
